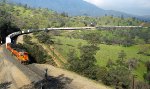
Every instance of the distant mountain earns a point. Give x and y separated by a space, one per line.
146 16
74 7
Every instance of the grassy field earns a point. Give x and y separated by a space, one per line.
111 52
106 52
64 45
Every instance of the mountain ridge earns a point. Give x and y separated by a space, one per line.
76 8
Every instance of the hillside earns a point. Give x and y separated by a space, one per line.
111 56
73 7
76 8
25 17
132 44
14 76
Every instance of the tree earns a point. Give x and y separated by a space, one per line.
132 63
119 76
138 40
88 60
7 25
79 45
144 49
36 52
64 14
84 65
147 77
26 6
101 73
89 49
121 55
43 37
93 38
148 66
4 1
142 85
74 63
118 73
110 63
59 42
27 39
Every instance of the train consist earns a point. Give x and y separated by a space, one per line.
20 54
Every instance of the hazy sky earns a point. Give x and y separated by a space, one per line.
137 7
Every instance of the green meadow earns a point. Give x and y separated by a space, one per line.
106 52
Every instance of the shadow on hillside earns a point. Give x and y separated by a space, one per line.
32 60
5 85
50 82
58 43
69 45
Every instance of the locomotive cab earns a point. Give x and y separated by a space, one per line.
23 56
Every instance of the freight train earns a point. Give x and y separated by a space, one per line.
20 54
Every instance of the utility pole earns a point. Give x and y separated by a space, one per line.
53 51
46 75
133 81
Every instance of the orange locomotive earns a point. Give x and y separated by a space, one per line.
21 55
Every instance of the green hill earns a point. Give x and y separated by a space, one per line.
101 61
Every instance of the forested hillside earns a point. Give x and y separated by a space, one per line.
76 8
24 17
113 57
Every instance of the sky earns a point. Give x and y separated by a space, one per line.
136 7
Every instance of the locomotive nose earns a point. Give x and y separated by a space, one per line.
26 57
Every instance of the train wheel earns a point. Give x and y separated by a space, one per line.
26 63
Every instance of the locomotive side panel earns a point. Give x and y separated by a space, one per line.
21 56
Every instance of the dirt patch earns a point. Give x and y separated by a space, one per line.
19 39
77 81
10 74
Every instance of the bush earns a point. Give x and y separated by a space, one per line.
36 52
44 38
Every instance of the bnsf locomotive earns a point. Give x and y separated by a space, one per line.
21 55
15 50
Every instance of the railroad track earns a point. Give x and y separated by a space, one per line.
34 74
36 71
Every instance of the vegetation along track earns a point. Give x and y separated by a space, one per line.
58 54
50 52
